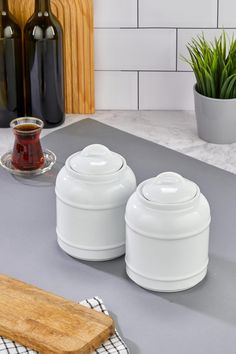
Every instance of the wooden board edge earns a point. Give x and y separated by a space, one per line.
25 341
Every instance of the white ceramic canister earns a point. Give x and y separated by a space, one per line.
92 190
167 234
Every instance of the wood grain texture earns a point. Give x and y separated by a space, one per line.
76 17
48 323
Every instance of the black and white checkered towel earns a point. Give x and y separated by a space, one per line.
114 345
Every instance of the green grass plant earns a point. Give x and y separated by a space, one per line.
214 66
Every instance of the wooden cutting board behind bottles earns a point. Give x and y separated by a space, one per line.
76 18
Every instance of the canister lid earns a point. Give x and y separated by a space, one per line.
96 159
169 188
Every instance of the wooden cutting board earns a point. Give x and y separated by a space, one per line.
48 323
76 17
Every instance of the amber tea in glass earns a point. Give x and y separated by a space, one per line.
27 153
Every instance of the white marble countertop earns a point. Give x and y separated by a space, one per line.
174 129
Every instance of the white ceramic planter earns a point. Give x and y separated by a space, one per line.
92 190
167 234
216 119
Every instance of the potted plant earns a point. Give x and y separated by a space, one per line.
214 66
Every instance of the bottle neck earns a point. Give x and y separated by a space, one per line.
42 6
4 5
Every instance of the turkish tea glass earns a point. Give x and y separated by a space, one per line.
27 153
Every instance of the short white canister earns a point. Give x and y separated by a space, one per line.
92 190
167 234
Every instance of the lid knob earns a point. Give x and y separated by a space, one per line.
96 150
95 159
169 188
170 179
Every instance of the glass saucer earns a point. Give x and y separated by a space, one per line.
49 162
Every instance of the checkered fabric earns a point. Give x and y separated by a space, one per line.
114 345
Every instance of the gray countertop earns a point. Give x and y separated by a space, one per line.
201 320
174 129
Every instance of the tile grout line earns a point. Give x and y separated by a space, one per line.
163 28
217 13
144 71
137 13
138 91
177 49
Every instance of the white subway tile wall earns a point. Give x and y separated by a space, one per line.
178 13
138 45
139 49
116 90
115 13
227 16
162 90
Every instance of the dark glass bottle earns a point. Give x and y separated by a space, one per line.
11 78
44 66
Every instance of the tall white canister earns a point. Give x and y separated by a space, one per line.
167 234
92 190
